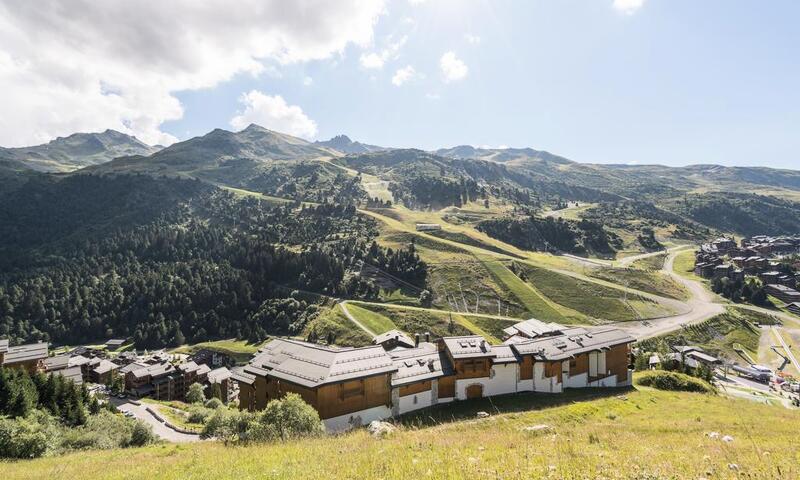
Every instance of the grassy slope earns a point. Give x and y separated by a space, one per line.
684 265
591 299
656 262
646 281
335 322
240 350
376 322
644 434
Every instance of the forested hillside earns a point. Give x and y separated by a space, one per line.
166 260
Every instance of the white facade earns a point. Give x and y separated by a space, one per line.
503 380
409 403
346 422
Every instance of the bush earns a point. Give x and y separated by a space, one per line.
106 431
195 394
290 417
198 414
214 403
229 425
22 438
664 380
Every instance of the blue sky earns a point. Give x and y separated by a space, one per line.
674 82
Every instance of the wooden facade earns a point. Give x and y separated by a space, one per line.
414 388
472 368
447 386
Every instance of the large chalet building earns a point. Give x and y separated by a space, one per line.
353 386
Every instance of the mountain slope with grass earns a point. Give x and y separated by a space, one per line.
644 434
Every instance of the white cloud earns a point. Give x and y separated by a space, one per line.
88 66
403 75
472 39
308 81
371 60
274 113
433 96
453 69
628 7
376 60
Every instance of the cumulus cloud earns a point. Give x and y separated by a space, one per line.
403 75
453 69
274 113
376 60
81 65
628 7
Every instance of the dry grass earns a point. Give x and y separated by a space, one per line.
645 434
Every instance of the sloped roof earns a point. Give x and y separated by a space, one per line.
400 337
244 377
3 345
78 360
312 365
188 367
219 375
504 354
573 341
133 367
202 369
25 353
58 362
533 328
468 346
105 367
71 373
422 363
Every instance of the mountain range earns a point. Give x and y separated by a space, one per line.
277 164
76 151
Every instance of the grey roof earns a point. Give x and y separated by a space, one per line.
58 362
243 377
78 360
153 370
25 353
116 341
71 373
573 341
3 345
533 328
504 354
203 369
188 367
422 363
468 346
396 335
132 367
105 366
219 375
312 365
703 357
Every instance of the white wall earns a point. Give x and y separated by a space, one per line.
416 401
352 420
542 383
503 380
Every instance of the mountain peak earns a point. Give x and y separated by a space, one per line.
344 144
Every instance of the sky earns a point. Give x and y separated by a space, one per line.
673 82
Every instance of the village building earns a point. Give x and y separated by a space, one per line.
428 227
794 308
103 371
783 293
353 386
394 339
221 377
30 357
115 344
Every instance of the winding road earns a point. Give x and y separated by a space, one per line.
159 428
702 305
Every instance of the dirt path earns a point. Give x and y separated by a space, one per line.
624 262
162 431
343 306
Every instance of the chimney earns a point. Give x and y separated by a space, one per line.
416 339
428 337
483 345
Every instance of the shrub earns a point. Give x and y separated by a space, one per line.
213 403
22 438
229 425
290 417
198 414
664 380
195 394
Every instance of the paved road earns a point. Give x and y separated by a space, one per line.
161 430
702 306
786 349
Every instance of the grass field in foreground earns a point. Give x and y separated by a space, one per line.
644 434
